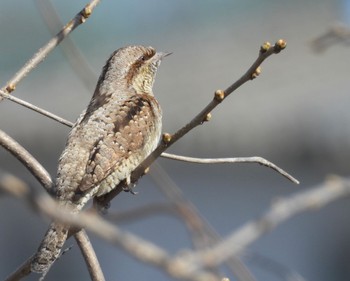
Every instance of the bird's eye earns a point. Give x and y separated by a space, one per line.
143 58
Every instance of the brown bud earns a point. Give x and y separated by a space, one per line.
281 43
219 95
265 47
166 137
207 117
10 88
256 73
87 11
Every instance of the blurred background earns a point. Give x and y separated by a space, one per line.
295 115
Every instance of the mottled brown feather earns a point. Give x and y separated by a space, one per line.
133 123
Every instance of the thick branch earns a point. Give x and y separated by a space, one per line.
141 249
189 265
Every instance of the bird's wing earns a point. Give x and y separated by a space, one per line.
130 138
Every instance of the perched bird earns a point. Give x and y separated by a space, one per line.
119 129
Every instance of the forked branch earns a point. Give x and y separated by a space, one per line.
266 50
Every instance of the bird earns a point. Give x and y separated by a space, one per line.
120 127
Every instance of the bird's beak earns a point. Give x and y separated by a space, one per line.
161 55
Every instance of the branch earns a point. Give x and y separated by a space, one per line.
282 210
89 255
266 50
46 49
35 108
18 188
188 265
254 159
32 165
141 249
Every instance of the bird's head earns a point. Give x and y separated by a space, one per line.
135 66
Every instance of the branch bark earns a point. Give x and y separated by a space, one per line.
89 255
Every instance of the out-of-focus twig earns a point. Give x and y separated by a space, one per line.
201 232
40 55
337 34
281 210
74 57
190 265
136 246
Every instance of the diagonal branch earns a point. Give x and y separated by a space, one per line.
46 49
280 211
89 255
33 166
41 203
189 265
35 108
266 51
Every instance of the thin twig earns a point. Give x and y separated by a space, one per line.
35 108
89 255
33 166
266 50
254 159
40 55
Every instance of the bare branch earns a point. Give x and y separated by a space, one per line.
266 50
33 166
141 249
188 266
36 108
280 211
89 255
46 49
254 159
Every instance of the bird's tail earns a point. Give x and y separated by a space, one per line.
50 247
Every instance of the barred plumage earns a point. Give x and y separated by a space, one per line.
119 129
